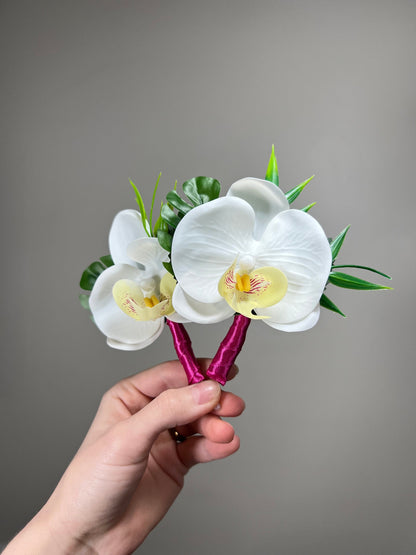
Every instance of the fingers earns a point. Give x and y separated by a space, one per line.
200 450
174 407
211 425
152 382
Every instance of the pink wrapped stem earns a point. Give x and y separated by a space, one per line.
183 348
229 349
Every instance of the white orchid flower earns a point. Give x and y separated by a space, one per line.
249 252
130 299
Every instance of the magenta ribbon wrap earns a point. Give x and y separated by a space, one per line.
229 349
224 358
183 348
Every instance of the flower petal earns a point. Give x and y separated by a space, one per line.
130 299
264 197
295 243
265 287
108 317
148 252
136 346
302 325
126 227
200 313
206 242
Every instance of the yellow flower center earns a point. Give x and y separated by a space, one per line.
151 301
243 282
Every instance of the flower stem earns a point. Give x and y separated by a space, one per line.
229 349
183 348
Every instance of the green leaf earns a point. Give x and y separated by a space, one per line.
201 189
83 299
169 216
336 244
168 267
351 282
175 200
327 303
362 268
142 209
165 239
307 208
153 201
90 275
296 191
107 260
272 173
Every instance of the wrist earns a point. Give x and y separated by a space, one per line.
42 537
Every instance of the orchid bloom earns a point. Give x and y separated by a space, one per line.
249 253
130 299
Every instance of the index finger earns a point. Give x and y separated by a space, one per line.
167 375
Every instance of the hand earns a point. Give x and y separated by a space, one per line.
129 470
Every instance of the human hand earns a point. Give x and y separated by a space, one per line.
129 470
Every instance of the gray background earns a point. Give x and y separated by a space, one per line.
95 92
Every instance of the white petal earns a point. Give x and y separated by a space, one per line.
175 317
295 243
126 227
148 252
109 318
207 241
200 313
136 346
265 197
302 325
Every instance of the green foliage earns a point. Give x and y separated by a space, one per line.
336 244
351 282
200 190
361 268
197 190
153 201
296 191
165 239
272 173
175 200
83 299
90 274
142 209
327 303
307 208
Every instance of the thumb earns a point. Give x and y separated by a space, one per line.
173 407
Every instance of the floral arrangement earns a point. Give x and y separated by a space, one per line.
207 258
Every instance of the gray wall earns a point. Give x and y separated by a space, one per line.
95 92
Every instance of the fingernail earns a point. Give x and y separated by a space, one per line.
204 392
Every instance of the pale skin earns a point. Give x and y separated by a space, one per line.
129 470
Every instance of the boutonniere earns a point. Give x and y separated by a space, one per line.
206 258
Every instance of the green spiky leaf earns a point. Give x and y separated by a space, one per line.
142 209
296 191
153 201
351 282
362 268
327 303
272 173
336 244
307 208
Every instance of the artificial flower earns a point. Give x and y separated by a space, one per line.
130 299
250 253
